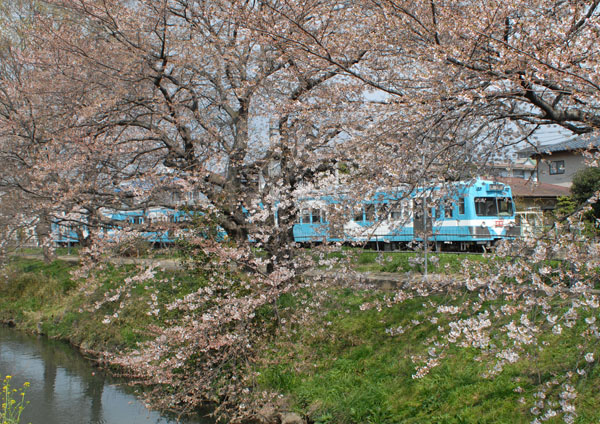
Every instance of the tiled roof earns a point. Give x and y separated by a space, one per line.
526 188
518 163
575 143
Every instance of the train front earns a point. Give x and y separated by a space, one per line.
492 214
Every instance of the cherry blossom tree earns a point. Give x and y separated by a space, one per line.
486 75
147 94
257 103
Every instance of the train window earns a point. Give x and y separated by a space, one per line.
305 216
447 208
396 214
370 213
493 206
407 209
420 208
358 215
461 206
505 206
486 206
315 216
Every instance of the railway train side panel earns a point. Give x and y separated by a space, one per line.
478 213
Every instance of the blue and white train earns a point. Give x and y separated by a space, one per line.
65 233
459 216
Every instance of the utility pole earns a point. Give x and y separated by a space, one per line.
424 202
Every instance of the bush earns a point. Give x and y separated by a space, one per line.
133 248
13 402
586 182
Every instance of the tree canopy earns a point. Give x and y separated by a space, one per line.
246 102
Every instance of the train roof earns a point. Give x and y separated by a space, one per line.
488 187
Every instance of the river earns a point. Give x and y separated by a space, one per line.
67 389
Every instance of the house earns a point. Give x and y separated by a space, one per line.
529 194
524 168
557 163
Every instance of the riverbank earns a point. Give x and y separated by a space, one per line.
329 352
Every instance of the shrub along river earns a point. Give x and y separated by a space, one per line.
66 388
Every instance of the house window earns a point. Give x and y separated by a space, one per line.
557 167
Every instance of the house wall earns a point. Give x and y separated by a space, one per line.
525 174
573 162
543 203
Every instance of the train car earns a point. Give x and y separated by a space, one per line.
148 222
64 235
462 215
64 229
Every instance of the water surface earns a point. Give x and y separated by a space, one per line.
67 389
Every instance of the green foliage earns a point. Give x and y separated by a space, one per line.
367 258
281 378
13 402
333 360
565 205
343 168
586 182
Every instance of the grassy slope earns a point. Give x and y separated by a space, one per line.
339 365
36 295
345 368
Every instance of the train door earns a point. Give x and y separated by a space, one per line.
422 215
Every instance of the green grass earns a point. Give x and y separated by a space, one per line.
371 261
344 367
43 296
338 364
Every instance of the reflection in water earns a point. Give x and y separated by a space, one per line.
65 388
